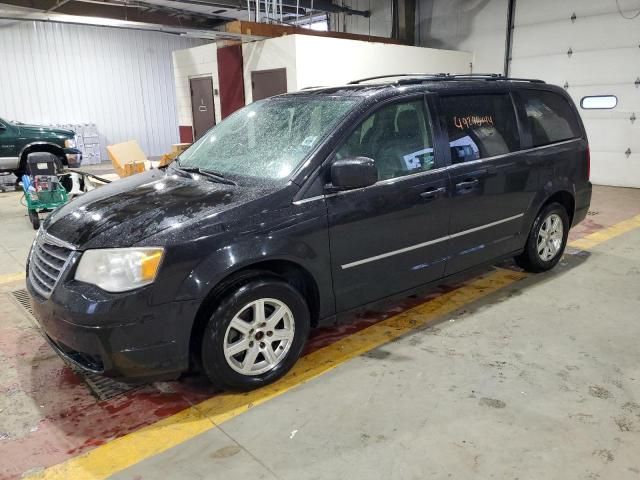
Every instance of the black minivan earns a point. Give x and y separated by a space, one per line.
303 206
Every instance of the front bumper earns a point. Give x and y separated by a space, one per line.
74 157
120 336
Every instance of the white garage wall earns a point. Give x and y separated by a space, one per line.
605 59
119 79
279 52
335 61
318 61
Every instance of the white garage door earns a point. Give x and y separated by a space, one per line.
597 52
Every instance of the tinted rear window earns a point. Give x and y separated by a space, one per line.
550 117
479 126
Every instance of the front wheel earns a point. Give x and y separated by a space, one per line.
35 219
547 239
255 335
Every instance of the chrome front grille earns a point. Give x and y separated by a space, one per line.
49 259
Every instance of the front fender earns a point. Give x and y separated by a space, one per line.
301 238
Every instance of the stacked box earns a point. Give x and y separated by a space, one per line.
87 141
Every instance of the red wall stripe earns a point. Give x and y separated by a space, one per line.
186 133
231 79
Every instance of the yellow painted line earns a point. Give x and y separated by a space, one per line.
130 449
596 238
11 277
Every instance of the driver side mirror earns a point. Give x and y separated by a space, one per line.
354 172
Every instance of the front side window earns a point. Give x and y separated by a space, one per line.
397 137
550 117
267 139
479 126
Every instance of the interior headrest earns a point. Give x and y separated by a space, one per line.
408 123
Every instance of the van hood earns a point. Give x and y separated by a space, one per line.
129 210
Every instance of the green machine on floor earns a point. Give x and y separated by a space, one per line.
43 190
49 185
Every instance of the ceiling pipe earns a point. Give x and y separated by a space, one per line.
57 5
136 10
509 37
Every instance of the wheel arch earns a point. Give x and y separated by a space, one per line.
40 147
290 271
564 198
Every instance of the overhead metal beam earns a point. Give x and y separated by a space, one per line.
58 5
133 10
53 17
289 5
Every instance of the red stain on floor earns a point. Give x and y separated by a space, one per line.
586 227
72 421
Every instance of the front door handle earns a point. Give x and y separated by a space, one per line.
467 184
432 193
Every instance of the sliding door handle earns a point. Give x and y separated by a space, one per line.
467 184
432 193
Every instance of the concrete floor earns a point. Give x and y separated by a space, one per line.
17 233
539 380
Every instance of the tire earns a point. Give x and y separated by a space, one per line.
35 219
18 174
542 252
252 364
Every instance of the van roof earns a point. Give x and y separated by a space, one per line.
372 85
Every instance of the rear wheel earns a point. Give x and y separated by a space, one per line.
255 335
547 239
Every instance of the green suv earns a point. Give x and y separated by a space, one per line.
18 140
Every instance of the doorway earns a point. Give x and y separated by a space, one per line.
267 83
202 106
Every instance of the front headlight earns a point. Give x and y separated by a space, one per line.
119 269
70 143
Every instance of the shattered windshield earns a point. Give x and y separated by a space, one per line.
267 139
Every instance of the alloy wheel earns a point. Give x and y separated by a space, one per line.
259 336
550 237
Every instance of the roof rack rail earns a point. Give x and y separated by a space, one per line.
379 77
409 78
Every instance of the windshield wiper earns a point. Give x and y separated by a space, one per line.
207 173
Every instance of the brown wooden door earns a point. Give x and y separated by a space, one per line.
267 83
202 106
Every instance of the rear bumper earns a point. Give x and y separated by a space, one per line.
123 338
583 201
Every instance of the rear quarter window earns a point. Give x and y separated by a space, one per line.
479 126
550 117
